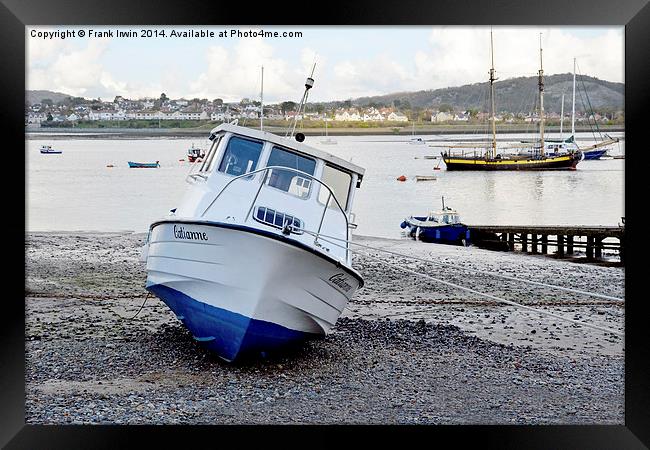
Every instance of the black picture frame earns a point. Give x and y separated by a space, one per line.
633 14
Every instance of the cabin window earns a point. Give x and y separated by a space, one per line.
339 182
210 157
286 180
241 156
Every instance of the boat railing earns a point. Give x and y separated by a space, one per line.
266 171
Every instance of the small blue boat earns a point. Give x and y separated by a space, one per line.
143 165
443 227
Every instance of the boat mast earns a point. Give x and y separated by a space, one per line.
541 97
561 116
493 152
573 108
262 102
309 83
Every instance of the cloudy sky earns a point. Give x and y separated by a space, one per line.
350 61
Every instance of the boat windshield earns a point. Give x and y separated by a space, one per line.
285 180
241 156
448 218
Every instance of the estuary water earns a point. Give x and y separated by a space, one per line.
76 191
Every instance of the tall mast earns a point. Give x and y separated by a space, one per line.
308 85
262 102
573 108
492 79
562 116
541 98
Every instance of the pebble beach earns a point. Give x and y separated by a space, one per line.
407 349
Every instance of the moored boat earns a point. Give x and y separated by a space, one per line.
47 149
535 157
135 165
442 226
194 154
328 140
243 261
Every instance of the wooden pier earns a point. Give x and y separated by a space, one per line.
538 239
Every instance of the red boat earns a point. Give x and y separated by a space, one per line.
194 153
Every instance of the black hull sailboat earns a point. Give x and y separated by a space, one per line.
535 158
560 162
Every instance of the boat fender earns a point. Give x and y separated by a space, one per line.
300 137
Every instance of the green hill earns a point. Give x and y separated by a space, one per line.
33 97
513 95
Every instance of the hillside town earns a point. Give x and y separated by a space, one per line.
71 111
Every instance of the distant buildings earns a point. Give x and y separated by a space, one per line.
163 108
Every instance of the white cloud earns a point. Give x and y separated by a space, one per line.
233 74
452 56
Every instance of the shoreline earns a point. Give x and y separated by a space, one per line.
404 351
179 133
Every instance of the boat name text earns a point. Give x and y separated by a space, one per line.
181 233
340 280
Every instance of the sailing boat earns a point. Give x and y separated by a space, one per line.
595 151
415 140
328 140
537 159
599 149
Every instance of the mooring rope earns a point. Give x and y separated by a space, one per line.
507 277
135 315
509 302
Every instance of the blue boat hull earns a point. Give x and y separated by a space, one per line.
455 234
228 334
143 165
594 154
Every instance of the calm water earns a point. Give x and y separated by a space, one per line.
76 191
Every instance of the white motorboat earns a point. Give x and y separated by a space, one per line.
243 261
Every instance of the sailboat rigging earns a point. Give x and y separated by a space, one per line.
594 151
534 159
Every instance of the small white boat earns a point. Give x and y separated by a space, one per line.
416 140
328 140
47 149
241 260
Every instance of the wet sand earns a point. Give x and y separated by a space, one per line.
406 350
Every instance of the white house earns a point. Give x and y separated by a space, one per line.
397 117
442 116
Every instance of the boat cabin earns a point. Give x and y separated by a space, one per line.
446 216
276 185
195 152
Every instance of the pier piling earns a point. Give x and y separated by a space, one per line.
597 241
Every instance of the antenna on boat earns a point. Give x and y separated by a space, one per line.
492 80
443 202
541 98
262 102
309 83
